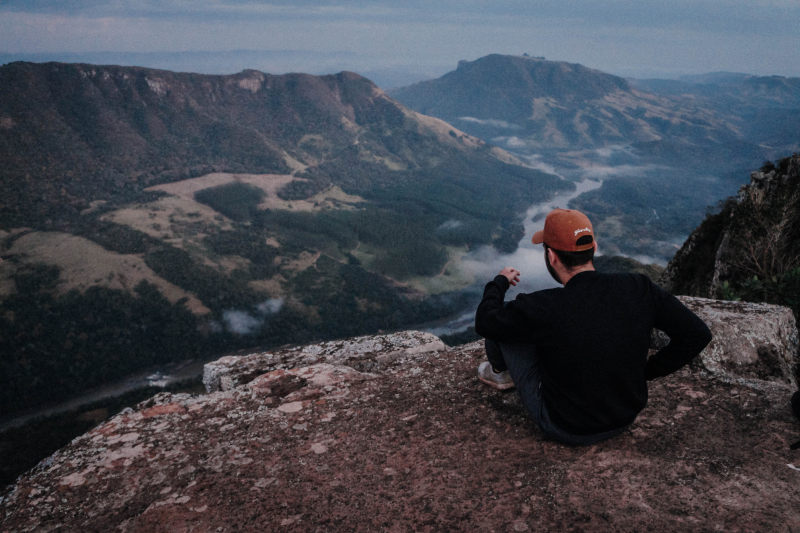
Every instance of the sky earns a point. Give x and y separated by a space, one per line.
396 42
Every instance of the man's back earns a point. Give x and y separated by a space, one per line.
591 339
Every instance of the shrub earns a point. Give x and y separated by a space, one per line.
238 201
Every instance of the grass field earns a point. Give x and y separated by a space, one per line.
84 264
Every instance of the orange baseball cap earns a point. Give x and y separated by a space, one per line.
566 230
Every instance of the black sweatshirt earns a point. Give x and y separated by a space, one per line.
592 338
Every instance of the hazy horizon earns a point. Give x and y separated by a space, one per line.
399 44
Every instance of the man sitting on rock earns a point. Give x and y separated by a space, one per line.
578 353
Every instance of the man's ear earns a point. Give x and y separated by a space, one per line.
552 256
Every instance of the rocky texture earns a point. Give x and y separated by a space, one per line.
363 353
755 235
751 340
321 441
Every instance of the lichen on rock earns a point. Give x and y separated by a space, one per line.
394 432
751 341
369 351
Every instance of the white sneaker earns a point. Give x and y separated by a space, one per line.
498 380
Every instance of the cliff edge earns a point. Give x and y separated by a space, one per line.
751 248
394 432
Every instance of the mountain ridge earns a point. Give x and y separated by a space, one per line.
283 285
140 120
508 82
248 208
556 104
665 150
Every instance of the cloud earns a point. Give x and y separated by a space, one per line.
246 323
618 36
270 307
448 225
240 322
493 122
616 171
535 161
607 152
620 12
513 142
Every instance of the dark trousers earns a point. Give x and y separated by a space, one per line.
522 364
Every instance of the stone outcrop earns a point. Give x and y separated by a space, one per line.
363 353
752 341
756 234
395 433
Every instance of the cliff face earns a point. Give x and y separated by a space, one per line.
751 248
394 432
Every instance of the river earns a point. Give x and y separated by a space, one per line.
485 262
159 377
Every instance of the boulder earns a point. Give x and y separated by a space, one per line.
406 438
750 340
364 353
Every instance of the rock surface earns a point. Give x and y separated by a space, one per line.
751 340
333 437
362 353
751 247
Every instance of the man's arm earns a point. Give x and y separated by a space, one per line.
494 320
688 335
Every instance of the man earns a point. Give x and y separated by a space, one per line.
578 353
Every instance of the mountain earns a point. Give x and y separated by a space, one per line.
750 249
552 105
745 89
555 105
148 216
73 134
766 109
665 149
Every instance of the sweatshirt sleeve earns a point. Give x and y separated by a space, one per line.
688 335
495 319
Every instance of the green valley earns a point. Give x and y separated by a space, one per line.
151 216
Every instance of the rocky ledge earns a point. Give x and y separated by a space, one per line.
395 433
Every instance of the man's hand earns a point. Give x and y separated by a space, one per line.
512 274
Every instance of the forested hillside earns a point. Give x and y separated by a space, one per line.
148 216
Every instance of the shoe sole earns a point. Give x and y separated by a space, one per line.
495 385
